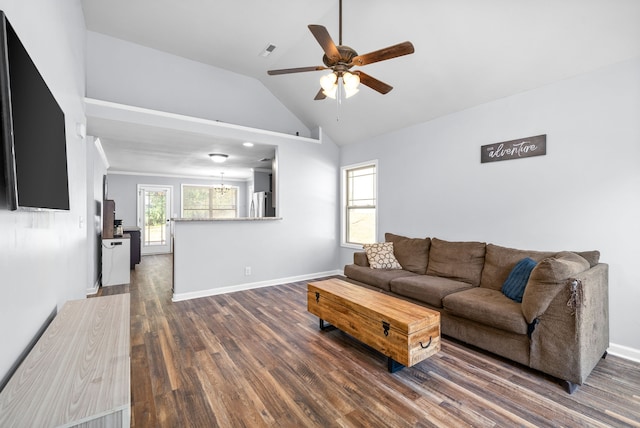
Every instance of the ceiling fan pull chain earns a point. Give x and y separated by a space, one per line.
339 93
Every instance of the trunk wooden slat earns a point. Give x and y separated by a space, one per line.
412 331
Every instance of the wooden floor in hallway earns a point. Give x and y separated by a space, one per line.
256 358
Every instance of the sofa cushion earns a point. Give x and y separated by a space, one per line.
412 253
380 256
379 278
460 261
515 283
499 261
426 288
488 307
360 258
547 279
593 257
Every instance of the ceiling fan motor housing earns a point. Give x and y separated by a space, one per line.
346 56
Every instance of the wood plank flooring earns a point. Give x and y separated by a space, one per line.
257 359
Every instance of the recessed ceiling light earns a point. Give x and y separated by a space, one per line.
247 144
218 157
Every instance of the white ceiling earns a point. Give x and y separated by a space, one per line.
467 52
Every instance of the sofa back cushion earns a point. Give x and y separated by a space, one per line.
461 261
360 259
593 257
499 261
411 253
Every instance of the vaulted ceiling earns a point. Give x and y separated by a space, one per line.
467 52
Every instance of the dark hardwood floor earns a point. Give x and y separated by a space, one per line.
257 359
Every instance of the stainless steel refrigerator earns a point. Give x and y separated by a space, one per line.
262 205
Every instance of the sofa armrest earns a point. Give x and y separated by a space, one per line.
572 334
360 259
547 279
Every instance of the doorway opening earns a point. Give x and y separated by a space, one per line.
154 218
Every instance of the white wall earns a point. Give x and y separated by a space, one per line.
43 256
131 74
305 240
584 194
211 256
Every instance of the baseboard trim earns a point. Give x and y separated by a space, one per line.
251 285
94 290
624 352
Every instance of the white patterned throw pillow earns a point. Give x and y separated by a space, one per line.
380 256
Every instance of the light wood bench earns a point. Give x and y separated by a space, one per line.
405 332
78 371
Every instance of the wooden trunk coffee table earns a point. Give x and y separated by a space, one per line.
405 332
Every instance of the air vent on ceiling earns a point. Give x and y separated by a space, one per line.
267 51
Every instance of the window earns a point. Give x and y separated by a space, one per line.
209 201
359 216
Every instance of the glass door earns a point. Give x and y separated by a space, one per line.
154 208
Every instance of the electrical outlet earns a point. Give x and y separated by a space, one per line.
247 270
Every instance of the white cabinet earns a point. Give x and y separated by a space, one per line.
115 261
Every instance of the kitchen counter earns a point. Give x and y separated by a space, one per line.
227 219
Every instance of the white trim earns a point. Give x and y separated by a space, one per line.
101 153
251 285
625 352
94 290
153 174
343 201
169 215
100 109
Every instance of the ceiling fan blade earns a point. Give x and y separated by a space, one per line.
320 95
394 51
295 70
374 83
322 36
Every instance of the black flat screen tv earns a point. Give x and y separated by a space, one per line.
33 131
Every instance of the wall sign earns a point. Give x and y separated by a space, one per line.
514 149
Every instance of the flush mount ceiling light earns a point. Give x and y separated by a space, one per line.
247 144
218 157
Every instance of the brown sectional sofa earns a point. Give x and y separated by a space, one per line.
561 327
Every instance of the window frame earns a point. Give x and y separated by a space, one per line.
344 170
210 186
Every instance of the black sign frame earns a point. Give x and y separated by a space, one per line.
514 149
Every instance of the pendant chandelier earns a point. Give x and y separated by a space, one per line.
222 189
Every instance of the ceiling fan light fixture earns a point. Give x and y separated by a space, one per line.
351 80
348 93
218 157
329 82
330 93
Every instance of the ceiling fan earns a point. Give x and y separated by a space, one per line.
340 59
